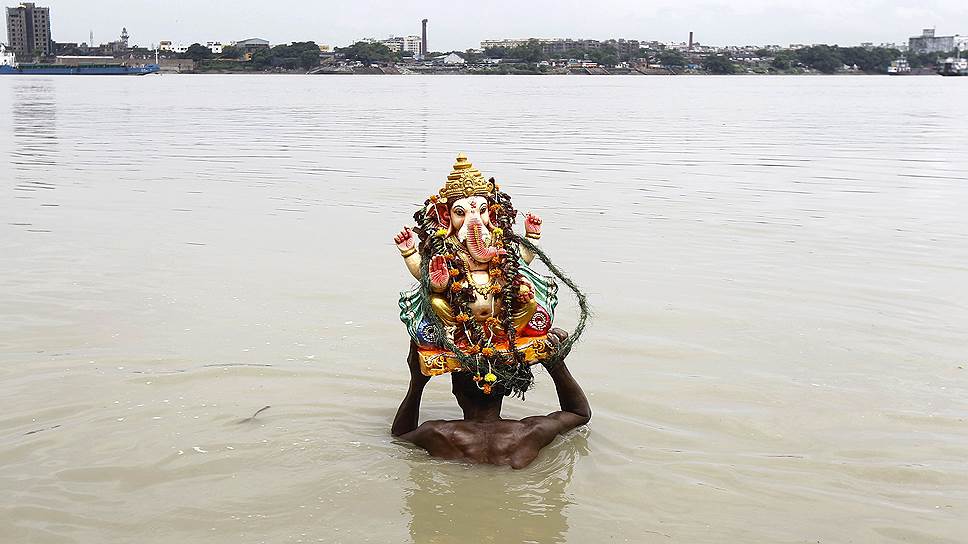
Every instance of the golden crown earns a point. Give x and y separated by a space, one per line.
466 181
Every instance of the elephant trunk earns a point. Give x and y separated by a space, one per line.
476 244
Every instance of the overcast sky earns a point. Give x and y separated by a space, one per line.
461 25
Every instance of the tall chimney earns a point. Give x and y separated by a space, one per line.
690 41
423 40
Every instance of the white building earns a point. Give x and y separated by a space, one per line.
7 58
506 43
454 58
165 45
399 44
412 44
393 45
178 48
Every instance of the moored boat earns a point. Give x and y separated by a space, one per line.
954 67
899 67
79 70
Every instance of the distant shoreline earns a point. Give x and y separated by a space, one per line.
452 74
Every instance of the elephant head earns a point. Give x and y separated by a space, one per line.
470 219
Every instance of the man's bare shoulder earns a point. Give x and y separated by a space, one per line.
533 423
467 433
435 436
435 428
454 432
545 428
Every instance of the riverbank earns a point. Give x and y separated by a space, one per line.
370 71
590 69
520 70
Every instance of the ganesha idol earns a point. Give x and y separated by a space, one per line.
491 312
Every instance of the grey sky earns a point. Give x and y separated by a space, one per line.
461 25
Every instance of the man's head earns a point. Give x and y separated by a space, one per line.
470 397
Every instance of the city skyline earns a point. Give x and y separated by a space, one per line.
715 22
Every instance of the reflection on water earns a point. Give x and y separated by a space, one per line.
775 266
33 112
451 502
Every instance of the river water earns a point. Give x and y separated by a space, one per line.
778 268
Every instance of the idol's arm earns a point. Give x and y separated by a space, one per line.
526 253
532 228
407 245
413 264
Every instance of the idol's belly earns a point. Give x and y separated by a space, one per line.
484 306
487 304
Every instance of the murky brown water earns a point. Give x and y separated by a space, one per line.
778 268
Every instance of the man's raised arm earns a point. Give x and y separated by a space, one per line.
409 411
574 406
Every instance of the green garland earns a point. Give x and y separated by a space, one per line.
564 348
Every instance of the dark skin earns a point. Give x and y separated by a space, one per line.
483 436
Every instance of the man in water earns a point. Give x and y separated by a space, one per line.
483 436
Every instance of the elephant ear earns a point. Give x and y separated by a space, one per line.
440 214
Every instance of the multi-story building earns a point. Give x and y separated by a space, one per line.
28 31
399 44
891 45
927 42
391 43
626 49
413 44
504 44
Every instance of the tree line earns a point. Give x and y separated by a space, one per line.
304 55
831 58
533 52
823 58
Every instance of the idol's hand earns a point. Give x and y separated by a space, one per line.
439 274
404 240
532 224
